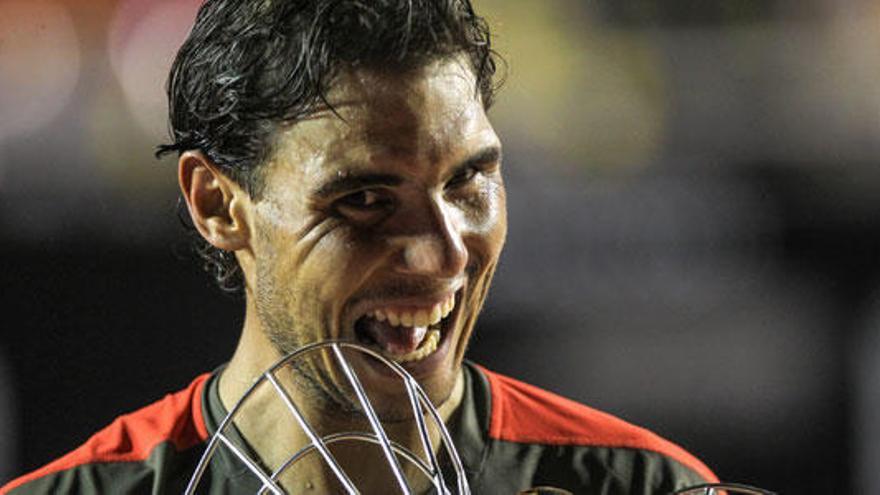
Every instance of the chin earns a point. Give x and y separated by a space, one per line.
395 406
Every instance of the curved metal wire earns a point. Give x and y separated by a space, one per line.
722 489
419 402
356 436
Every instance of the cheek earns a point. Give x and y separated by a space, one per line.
341 260
300 265
485 216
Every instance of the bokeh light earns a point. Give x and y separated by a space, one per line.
144 37
595 95
39 64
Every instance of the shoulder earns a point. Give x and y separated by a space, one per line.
174 420
523 413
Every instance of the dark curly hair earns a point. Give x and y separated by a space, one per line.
251 66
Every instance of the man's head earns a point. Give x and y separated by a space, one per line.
342 152
249 68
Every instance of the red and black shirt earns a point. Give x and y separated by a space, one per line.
510 435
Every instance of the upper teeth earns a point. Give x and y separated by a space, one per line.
416 318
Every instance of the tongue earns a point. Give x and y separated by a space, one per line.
395 340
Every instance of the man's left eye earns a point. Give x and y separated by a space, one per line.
462 177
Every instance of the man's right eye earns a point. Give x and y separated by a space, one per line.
360 204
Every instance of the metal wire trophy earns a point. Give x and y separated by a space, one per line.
427 464
723 489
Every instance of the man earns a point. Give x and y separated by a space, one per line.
338 165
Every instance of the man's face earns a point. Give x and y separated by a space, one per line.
384 226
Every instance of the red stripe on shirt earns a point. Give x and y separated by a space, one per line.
177 418
523 413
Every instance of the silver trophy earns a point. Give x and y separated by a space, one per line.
426 464
723 489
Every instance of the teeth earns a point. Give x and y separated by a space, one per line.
448 305
428 346
435 316
406 319
418 318
421 318
393 319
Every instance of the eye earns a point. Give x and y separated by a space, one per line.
362 204
361 199
462 178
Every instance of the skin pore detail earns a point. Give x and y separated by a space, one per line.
397 209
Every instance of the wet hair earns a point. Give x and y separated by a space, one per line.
250 67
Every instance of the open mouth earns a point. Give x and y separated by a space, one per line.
405 335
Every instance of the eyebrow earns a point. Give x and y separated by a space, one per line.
489 154
352 179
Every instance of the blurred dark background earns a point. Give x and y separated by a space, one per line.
695 220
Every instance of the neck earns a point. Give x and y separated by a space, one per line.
271 431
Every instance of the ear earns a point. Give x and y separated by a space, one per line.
217 205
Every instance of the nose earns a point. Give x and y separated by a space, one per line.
435 245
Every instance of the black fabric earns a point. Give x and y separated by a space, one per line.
165 471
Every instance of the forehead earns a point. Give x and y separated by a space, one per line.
421 119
